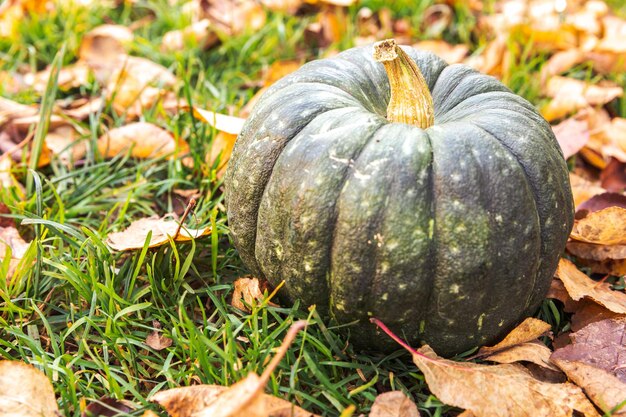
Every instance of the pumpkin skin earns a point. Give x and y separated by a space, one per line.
450 235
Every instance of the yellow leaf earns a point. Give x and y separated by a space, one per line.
135 235
145 140
602 227
25 391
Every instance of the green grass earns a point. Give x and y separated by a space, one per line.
82 313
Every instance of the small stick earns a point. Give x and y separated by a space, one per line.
190 206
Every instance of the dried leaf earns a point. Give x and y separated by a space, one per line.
198 33
70 76
614 39
580 286
285 6
604 227
534 352
107 407
162 229
583 189
561 62
137 84
103 44
393 404
572 134
495 390
250 290
603 201
157 341
144 140
10 242
452 54
605 390
234 17
63 142
83 111
600 258
613 177
243 399
587 312
601 344
221 122
33 396
7 180
529 330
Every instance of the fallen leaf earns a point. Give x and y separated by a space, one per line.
534 352
235 17
583 189
506 390
285 6
63 142
198 33
614 39
70 76
134 237
580 286
596 252
561 62
587 312
243 399
393 404
83 111
602 201
156 340
603 227
250 290
10 242
601 344
136 84
33 396
452 54
107 407
605 390
103 44
529 330
221 122
7 180
613 177
436 19
572 134
144 140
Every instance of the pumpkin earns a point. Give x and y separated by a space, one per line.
423 194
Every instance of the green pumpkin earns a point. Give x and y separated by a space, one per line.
450 235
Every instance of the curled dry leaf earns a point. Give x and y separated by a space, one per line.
603 227
614 39
613 177
70 76
10 242
33 396
145 140
534 352
605 390
572 134
507 390
234 17
134 237
393 404
600 258
103 44
580 286
250 290
243 399
587 312
601 344
603 201
221 122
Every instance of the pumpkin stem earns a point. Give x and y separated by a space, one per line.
410 102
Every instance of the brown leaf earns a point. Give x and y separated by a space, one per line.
613 177
32 396
614 39
601 344
604 227
583 189
393 404
136 84
603 201
535 352
135 235
580 286
199 33
70 76
595 252
107 407
63 142
605 390
529 330
452 54
234 17
81 112
572 134
102 45
243 399
156 340
495 390
10 241
561 62
587 312
144 140
251 290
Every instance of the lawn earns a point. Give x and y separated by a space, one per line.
81 312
